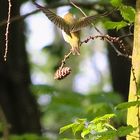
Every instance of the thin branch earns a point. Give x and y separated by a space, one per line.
54 5
111 40
62 71
130 28
117 51
64 60
78 8
7 30
128 35
18 17
84 15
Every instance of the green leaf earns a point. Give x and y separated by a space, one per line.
127 105
81 120
103 118
128 13
106 135
77 127
125 130
116 3
110 126
85 132
115 25
63 129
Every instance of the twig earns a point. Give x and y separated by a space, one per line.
54 5
78 8
130 27
123 36
64 60
118 52
111 40
7 30
62 71
85 15
18 17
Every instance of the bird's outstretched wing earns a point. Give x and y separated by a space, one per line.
57 20
83 22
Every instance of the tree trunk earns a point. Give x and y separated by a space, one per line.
120 72
16 100
120 66
133 116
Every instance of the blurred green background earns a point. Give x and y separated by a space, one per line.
34 106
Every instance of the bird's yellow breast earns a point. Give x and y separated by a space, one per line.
70 39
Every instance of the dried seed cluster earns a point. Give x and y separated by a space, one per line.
118 41
115 40
62 73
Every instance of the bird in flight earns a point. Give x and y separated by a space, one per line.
70 26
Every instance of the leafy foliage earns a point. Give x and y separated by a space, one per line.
116 3
126 105
115 25
127 13
99 128
65 105
125 130
104 118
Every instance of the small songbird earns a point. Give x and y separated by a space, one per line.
70 26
